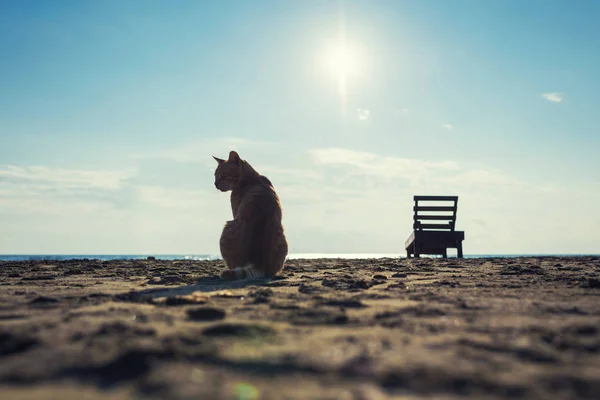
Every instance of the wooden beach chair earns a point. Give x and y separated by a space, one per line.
434 238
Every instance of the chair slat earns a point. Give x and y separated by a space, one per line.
434 226
433 208
436 198
435 217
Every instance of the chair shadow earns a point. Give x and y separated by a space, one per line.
206 285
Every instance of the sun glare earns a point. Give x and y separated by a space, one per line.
342 62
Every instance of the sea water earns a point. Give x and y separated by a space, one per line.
347 256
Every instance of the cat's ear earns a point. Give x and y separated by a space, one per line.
219 160
234 157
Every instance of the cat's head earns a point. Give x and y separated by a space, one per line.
228 173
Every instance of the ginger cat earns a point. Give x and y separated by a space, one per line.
253 244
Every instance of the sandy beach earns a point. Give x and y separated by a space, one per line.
323 329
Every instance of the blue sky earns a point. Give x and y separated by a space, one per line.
110 112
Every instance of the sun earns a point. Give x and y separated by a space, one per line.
342 61
342 64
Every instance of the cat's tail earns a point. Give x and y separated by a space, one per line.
245 272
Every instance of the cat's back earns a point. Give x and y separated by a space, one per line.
257 199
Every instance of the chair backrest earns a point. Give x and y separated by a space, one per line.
443 210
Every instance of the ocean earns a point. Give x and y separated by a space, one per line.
106 257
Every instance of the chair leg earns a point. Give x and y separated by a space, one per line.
407 253
459 250
445 254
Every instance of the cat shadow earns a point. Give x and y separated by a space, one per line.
206 285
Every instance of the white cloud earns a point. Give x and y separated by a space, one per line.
377 165
60 191
402 112
482 177
180 198
373 170
363 114
554 97
63 177
369 170
291 175
447 126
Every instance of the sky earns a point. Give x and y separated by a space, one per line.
111 111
